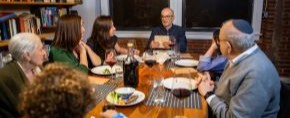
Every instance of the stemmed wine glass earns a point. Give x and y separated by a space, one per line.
172 42
111 59
182 86
149 60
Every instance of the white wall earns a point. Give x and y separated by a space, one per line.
89 10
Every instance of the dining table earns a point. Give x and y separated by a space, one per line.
145 109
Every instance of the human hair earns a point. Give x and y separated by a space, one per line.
167 8
100 32
239 40
216 34
68 33
22 43
59 91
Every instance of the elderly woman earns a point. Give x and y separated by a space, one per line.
27 53
68 46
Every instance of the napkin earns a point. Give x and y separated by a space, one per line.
162 57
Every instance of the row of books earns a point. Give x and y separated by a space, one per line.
9 26
50 15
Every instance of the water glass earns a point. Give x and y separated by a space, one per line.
159 89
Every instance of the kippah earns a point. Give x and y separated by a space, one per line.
243 26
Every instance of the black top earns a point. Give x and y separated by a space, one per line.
100 49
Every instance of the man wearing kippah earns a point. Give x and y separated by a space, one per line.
249 86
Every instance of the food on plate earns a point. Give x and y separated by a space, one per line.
115 98
106 71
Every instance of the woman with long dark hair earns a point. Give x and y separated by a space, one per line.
103 37
68 46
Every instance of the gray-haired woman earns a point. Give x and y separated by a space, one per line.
28 54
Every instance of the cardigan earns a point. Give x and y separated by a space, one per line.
12 80
64 56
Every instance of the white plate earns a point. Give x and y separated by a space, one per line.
123 57
186 62
180 83
99 70
141 97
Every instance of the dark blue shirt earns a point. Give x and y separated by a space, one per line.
175 31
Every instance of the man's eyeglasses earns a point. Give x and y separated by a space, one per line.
167 16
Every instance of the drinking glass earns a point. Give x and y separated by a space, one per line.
172 42
159 89
111 59
149 60
182 87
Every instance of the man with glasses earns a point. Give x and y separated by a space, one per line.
249 86
169 29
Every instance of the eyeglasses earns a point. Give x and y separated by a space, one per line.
167 16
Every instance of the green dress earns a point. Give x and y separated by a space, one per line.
65 56
12 80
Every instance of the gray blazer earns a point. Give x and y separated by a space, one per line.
248 89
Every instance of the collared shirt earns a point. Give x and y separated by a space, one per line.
175 31
234 61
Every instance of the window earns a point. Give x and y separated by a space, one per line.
206 15
136 14
199 17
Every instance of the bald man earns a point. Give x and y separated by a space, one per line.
249 86
169 29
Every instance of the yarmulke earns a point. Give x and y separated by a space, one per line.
243 26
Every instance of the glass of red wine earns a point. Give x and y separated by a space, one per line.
110 59
150 60
172 42
182 86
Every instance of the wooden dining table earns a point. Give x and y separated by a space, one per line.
142 110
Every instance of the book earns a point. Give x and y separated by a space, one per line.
6 15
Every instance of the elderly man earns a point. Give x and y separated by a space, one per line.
249 86
169 29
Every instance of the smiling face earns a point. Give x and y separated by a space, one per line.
167 17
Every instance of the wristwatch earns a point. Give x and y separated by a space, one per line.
209 93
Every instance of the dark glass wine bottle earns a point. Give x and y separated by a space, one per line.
130 67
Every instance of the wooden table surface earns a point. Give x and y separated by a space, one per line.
141 110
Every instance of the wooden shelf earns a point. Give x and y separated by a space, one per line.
44 36
38 3
4 43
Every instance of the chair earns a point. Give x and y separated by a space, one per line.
284 98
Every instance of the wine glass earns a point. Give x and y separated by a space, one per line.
172 42
149 60
182 86
111 59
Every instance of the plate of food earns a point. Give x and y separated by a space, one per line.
116 98
105 70
180 83
186 62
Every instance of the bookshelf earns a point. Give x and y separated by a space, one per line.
40 24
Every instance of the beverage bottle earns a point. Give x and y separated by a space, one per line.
130 67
